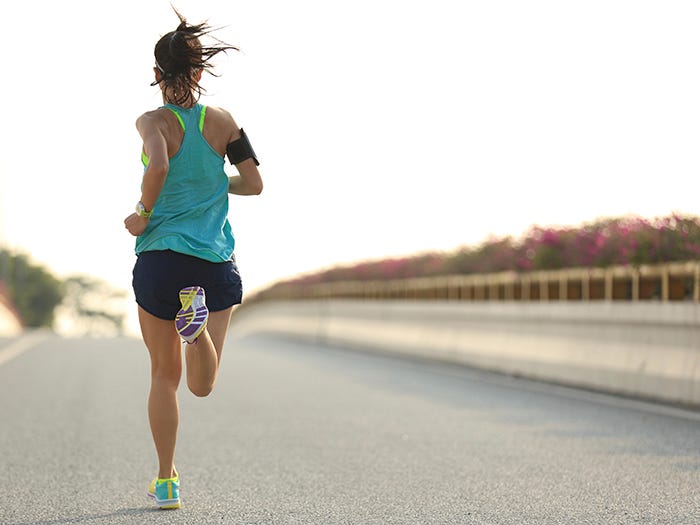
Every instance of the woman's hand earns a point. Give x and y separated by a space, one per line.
136 224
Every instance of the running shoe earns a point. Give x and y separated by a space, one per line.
165 492
191 320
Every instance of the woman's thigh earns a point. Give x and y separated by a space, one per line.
163 343
218 326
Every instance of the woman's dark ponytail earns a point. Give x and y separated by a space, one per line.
179 55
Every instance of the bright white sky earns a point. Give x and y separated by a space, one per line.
383 127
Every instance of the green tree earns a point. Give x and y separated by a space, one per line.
33 290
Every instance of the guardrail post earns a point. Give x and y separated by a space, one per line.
608 285
544 287
479 291
493 289
510 290
563 287
635 284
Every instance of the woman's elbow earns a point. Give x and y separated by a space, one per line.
158 169
257 187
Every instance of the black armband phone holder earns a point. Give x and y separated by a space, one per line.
240 150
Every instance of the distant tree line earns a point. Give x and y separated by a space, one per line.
604 242
32 289
38 296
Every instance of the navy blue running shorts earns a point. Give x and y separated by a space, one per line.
160 275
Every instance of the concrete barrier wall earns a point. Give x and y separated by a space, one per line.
649 350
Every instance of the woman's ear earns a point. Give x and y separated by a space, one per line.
158 75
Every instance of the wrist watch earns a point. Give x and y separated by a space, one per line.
141 210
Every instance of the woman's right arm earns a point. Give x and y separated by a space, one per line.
152 130
155 146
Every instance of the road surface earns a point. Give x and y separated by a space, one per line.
299 434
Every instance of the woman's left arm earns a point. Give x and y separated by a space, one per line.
248 181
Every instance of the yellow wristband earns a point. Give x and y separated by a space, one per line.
141 210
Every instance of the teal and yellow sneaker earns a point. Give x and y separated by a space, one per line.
165 492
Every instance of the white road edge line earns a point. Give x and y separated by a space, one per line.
21 345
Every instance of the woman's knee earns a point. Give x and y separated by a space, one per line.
169 373
200 390
200 386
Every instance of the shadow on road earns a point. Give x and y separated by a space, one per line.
135 512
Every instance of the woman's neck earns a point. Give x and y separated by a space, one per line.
189 102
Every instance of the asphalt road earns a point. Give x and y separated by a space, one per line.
297 434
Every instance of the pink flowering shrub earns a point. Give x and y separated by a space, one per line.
605 242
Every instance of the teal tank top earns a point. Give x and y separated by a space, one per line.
191 213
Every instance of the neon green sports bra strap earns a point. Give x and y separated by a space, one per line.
179 118
201 118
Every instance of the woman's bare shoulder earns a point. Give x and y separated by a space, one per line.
223 121
220 113
150 118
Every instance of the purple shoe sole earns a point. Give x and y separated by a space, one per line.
191 320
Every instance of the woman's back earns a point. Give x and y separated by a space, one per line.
190 215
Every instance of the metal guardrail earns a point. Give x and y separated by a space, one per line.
678 281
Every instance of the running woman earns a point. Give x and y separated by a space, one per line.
185 278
